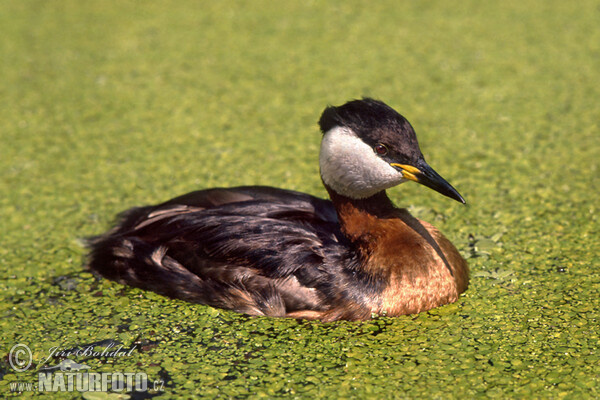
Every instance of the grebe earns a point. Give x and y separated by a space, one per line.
274 252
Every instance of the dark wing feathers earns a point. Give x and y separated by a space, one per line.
210 198
257 250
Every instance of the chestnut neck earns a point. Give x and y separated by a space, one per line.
378 205
360 218
364 221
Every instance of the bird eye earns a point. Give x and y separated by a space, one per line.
380 149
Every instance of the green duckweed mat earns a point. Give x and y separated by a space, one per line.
107 105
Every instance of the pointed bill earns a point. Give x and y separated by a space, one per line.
425 175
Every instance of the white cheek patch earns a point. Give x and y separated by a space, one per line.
351 168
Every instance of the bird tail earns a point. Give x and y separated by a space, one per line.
122 256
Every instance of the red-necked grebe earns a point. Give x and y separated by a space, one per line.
275 252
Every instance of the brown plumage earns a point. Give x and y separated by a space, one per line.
273 252
422 268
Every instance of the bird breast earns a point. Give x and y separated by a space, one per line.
422 268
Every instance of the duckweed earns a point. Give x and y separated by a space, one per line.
110 104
